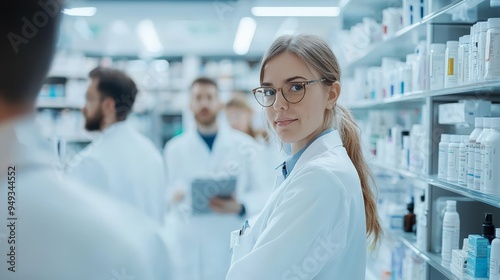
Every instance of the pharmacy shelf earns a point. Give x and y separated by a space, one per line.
69 77
433 259
482 90
353 11
403 42
57 103
58 107
453 187
490 199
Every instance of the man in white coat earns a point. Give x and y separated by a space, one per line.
211 151
50 229
121 162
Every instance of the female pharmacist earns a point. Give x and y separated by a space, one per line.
317 220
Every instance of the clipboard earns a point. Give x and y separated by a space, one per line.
202 190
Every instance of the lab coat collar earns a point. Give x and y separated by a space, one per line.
116 126
321 145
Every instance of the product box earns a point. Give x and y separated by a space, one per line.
477 267
478 245
465 111
459 259
458 272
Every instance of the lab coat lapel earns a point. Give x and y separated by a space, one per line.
324 143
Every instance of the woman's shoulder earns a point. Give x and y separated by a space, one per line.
317 178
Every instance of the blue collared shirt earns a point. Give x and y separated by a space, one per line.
289 164
209 139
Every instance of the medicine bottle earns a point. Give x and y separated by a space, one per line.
491 161
436 66
453 158
451 56
492 56
443 156
471 151
463 60
481 50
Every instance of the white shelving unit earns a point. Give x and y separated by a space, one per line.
493 200
403 42
419 97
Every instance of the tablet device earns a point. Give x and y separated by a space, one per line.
202 190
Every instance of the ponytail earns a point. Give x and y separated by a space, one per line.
349 133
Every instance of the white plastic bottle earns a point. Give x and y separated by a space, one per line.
483 151
492 55
463 60
492 158
417 155
451 57
422 214
471 151
479 155
443 157
495 257
462 160
453 150
481 50
473 53
420 70
436 66
451 231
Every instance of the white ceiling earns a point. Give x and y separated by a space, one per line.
205 28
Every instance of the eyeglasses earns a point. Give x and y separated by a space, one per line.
293 92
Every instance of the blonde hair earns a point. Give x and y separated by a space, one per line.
239 101
316 53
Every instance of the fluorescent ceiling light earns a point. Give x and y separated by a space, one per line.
244 35
295 11
80 12
149 37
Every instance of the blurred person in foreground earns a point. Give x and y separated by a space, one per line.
54 228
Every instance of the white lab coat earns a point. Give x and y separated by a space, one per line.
65 230
313 225
127 166
199 242
267 163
